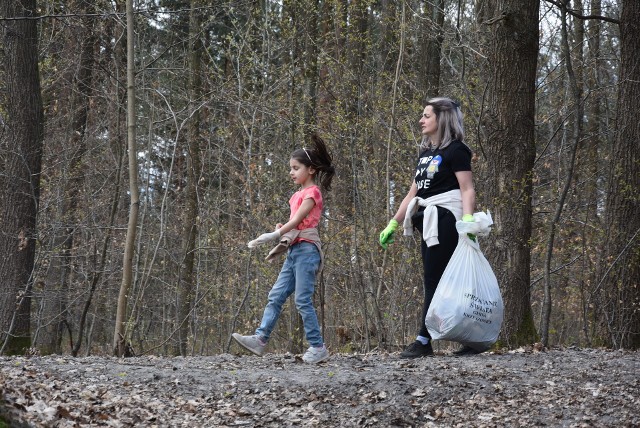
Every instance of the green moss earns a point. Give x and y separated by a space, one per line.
347 348
525 335
4 422
17 345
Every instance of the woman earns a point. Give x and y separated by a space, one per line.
441 194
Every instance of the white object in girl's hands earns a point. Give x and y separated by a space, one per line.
264 238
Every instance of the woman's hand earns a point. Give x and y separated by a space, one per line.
386 236
469 218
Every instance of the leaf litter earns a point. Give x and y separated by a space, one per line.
569 387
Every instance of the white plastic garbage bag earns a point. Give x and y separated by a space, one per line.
467 305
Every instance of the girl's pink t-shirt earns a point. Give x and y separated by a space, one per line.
313 218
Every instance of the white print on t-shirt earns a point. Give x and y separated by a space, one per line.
431 169
423 184
423 161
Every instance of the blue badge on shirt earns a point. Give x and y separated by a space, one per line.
434 166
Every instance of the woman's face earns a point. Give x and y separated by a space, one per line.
428 122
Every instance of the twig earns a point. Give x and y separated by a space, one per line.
580 16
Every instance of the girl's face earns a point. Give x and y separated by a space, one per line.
300 173
428 122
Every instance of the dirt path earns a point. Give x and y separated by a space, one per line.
570 387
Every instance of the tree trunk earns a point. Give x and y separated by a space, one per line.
434 34
190 228
311 68
509 155
20 175
620 282
120 339
588 162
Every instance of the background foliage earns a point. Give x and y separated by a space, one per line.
270 72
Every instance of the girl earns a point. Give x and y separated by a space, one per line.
441 194
299 237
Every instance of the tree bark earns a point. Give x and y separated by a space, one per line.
312 43
509 155
620 281
588 163
190 228
433 31
20 175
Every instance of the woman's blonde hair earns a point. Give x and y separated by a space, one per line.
450 125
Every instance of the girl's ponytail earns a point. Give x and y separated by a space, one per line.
323 162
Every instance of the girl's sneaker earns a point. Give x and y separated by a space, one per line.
250 343
315 355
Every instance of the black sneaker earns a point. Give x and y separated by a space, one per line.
466 350
417 350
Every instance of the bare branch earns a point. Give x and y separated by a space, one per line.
580 16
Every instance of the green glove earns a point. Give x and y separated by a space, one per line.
386 236
469 218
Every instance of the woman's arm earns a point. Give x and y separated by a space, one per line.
402 210
465 180
305 208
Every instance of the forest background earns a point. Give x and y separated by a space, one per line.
133 175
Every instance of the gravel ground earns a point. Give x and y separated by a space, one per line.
524 387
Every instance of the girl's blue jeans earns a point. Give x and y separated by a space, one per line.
297 274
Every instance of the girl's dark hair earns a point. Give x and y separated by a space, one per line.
319 158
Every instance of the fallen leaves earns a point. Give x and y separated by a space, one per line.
519 387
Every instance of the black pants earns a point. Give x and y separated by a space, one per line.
436 257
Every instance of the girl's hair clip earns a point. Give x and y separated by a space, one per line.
307 153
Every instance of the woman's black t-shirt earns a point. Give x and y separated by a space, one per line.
435 173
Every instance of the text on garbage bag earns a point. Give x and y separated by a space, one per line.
481 308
